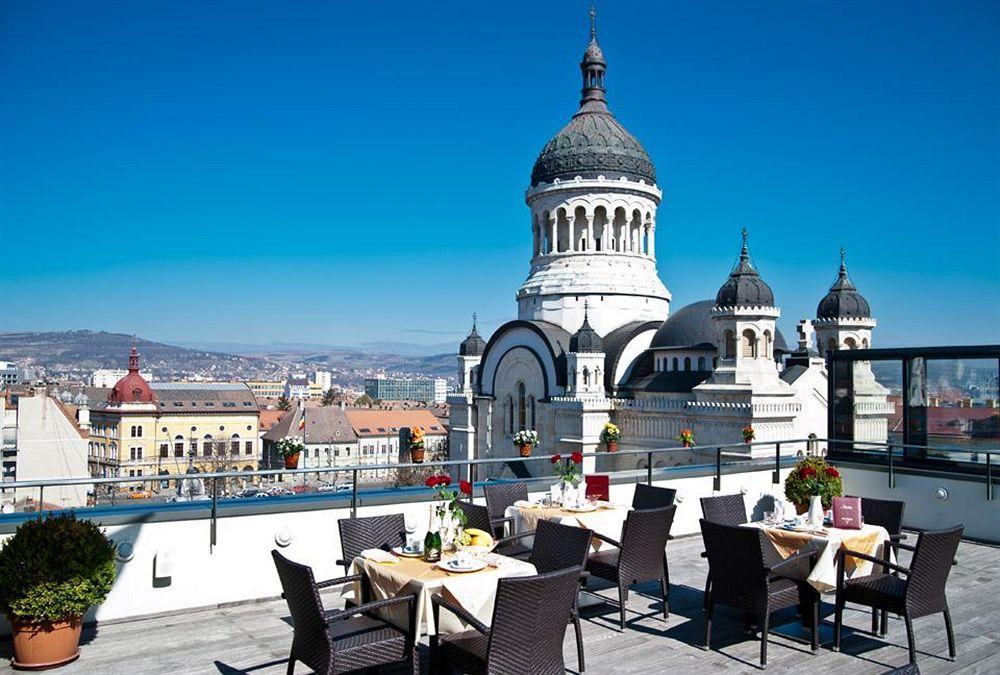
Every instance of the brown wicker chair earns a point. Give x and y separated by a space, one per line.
921 593
725 510
556 547
341 641
749 574
499 495
640 557
888 514
521 638
478 516
652 497
361 534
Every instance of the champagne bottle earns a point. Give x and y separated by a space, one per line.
432 541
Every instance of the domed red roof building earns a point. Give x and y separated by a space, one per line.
132 388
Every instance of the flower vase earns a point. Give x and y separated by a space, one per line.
568 493
815 511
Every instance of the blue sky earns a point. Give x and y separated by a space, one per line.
342 172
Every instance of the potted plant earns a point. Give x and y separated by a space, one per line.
417 449
813 477
748 434
686 438
51 572
290 449
525 440
610 435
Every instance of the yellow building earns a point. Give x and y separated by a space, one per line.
267 389
166 427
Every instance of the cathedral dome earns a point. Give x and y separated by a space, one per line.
744 287
132 388
594 143
843 300
691 326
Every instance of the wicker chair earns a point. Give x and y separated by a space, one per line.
652 497
341 641
360 534
887 514
478 516
921 593
557 547
725 510
749 574
500 495
521 638
640 557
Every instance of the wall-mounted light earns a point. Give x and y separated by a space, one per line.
941 494
125 550
283 537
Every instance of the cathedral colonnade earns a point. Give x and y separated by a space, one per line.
580 226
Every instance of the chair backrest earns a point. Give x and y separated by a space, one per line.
527 629
652 497
724 509
304 604
501 494
598 486
884 512
476 515
644 538
559 546
360 534
736 555
929 569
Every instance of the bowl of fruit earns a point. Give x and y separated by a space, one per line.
475 541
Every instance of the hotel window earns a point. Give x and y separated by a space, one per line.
164 450
136 432
249 447
234 444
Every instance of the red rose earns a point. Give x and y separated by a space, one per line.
431 481
832 472
555 458
808 472
465 487
577 457
444 480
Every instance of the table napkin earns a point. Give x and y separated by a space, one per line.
377 555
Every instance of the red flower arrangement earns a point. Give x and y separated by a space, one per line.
832 472
807 472
568 471
439 483
813 476
465 487
555 459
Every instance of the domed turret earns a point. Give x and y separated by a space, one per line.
593 143
843 300
744 287
586 340
473 345
132 388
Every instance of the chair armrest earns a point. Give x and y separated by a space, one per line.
514 537
438 602
340 562
794 558
844 552
339 580
905 547
897 537
372 606
605 538
502 520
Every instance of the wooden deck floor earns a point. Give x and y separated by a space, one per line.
255 638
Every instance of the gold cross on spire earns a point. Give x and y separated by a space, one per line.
593 23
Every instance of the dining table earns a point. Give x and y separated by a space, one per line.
473 591
789 539
602 517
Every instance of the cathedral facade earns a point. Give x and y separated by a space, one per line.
595 339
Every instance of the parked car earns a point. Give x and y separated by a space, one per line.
344 487
261 495
246 493
277 491
326 487
300 489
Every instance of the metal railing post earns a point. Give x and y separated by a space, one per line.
215 505
354 493
717 483
989 477
649 468
892 468
776 476
41 501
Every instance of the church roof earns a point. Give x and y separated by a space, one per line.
691 327
586 339
474 344
844 300
593 143
744 287
133 388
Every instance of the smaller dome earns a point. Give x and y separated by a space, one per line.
132 388
843 301
473 345
586 340
744 287
692 327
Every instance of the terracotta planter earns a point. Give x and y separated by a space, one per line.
612 446
292 461
687 444
45 644
525 450
417 455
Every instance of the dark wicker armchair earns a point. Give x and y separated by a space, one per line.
652 497
341 641
500 495
521 638
888 514
920 593
750 575
478 516
557 547
724 510
640 557
361 534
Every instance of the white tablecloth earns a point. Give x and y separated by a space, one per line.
606 521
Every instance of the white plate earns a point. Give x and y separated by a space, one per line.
586 508
407 553
450 565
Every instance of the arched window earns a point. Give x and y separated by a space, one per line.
701 363
850 343
730 351
687 363
586 376
178 446
532 412
864 343
521 406
164 450
673 364
234 444
748 343
510 414
206 446
767 343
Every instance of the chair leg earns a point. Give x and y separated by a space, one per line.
665 593
911 644
708 591
815 626
622 595
838 619
434 655
884 628
291 664
764 629
581 664
951 634
709 608
876 614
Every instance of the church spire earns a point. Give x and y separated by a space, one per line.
133 359
593 66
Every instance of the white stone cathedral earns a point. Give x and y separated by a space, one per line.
595 341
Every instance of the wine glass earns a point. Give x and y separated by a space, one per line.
410 525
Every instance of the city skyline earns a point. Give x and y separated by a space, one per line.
203 173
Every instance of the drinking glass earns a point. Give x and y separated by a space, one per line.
410 525
769 517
